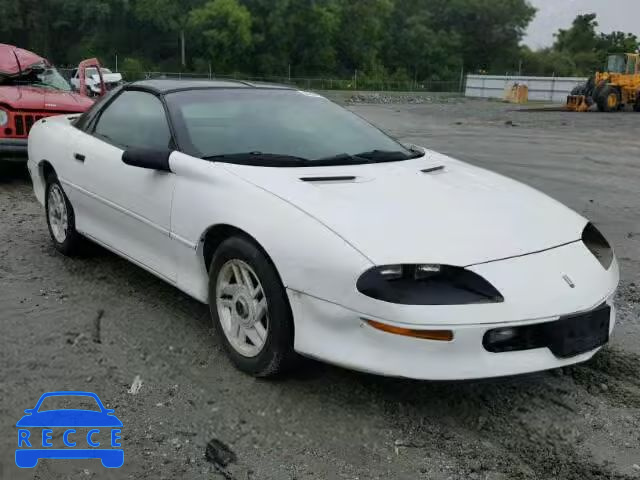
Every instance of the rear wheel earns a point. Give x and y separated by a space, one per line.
636 107
250 309
609 100
61 219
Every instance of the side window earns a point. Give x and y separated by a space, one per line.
135 119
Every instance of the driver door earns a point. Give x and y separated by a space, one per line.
128 209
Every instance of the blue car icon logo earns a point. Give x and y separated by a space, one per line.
80 433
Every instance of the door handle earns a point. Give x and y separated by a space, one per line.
79 157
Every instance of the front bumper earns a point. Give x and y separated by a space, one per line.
338 335
13 149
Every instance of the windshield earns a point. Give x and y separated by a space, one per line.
50 77
616 64
223 123
40 75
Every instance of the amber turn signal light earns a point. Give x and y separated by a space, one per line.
437 335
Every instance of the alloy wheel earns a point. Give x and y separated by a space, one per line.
242 308
57 211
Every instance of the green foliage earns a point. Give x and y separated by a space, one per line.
581 37
489 30
618 42
579 50
405 41
548 62
224 27
130 64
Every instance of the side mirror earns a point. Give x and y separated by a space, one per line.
147 158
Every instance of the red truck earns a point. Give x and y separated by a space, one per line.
30 89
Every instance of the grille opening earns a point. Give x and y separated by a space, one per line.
19 125
569 336
23 123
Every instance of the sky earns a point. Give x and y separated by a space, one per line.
552 15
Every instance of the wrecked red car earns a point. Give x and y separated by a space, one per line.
30 89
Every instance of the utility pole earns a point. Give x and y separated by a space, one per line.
183 49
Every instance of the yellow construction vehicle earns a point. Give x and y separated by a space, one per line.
611 90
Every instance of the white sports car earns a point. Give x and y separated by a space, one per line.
308 230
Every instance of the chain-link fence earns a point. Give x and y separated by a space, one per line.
362 83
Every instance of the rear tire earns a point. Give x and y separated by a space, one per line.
609 100
61 219
250 309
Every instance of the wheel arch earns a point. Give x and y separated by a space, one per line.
44 168
214 235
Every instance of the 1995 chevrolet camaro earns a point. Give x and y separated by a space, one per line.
308 230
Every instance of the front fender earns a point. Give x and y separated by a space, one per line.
308 256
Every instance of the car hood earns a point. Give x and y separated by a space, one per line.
396 213
43 99
69 418
14 59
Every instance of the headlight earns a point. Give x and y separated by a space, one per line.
4 118
427 284
598 245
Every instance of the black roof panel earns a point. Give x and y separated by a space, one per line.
161 86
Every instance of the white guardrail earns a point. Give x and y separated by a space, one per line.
549 89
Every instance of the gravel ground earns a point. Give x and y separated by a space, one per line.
98 322
400 98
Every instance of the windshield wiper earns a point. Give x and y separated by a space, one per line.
282 160
377 156
260 159
373 156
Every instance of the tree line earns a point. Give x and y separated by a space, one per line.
579 50
391 39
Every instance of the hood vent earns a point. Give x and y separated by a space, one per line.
433 169
341 179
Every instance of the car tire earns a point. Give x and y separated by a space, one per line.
61 219
250 309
